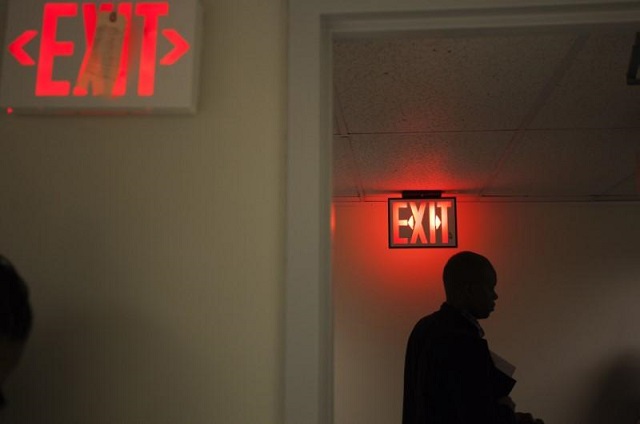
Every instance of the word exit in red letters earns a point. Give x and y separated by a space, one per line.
102 53
422 223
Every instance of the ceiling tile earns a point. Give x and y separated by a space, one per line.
439 113
483 82
569 163
454 162
594 92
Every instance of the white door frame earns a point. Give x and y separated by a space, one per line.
308 355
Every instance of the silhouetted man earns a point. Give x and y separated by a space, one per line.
450 376
15 319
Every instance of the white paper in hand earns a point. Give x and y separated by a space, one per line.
503 365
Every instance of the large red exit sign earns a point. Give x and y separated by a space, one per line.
111 56
423 223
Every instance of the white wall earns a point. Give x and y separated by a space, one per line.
153 246
567 316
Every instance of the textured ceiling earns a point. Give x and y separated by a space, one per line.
537 115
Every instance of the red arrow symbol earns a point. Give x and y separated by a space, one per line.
180 47
16 48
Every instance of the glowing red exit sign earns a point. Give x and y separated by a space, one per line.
422 223
91 56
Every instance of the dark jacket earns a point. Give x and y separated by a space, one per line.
449 375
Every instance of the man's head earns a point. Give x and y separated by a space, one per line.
15 317
469 283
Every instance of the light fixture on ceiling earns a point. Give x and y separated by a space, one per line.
634 63
421 194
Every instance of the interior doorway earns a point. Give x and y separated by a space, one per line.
309 338
502 120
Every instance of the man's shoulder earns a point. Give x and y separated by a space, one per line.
427 323
445 323
446 316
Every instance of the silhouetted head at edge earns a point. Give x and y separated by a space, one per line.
469 284
15 319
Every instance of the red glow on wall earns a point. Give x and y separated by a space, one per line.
398 278
58 17
386 276
422 223
332 219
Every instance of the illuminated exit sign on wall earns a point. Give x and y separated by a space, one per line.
422 223
101 56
